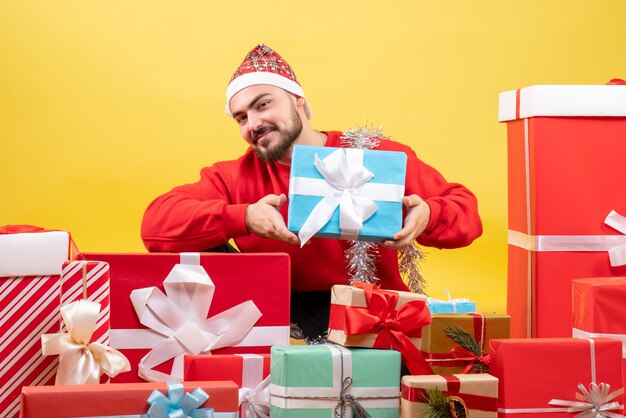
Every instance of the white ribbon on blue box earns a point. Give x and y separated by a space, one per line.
346 193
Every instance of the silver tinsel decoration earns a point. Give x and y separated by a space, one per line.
361 259
361 256
409 259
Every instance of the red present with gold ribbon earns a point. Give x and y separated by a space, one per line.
447 356
555 377
475 394
364 315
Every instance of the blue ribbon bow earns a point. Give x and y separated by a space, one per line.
178 404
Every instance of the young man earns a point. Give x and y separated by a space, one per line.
244 199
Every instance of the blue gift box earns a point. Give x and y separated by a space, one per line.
460 306
337 179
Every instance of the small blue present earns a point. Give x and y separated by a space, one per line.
450 306
346 193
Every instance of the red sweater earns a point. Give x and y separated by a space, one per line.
205 214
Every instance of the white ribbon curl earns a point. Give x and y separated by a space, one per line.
254 394
255 402
592 403
345 185
180 317
82 362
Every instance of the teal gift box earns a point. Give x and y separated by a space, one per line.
311 381
346 193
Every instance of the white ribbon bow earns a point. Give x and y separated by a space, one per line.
346 175
81 361
255 402
181 318
593 403
617 254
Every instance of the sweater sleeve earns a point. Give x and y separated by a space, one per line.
194 217
454 220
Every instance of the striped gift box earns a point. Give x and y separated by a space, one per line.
29 307
88 280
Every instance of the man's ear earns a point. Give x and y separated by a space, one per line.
299 101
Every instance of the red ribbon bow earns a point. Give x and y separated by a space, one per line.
463 354
394 327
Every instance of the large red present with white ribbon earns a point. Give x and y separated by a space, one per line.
364 315
250 372
599 310
164 306
30 267
565 174
555 377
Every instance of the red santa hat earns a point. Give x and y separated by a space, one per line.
262 65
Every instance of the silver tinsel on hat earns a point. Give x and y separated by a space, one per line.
361 256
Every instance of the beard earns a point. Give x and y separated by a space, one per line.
287 137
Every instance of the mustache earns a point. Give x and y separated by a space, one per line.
262 130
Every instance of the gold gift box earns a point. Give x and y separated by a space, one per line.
437 345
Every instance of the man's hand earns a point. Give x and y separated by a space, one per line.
415 222
264 219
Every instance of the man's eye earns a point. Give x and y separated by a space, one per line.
264 104
241 119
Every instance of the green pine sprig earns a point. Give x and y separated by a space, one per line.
465 340
437 404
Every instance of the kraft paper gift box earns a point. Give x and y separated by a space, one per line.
478 393
128 400
565 176
30 269
246 296
443 353
544 377
327 380
599 310
249 371
363 315
346 193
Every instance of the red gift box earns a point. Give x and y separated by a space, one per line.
29 307
261 278
534 372
599 310
249 371
127 399
565 145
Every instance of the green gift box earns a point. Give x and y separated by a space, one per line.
329 380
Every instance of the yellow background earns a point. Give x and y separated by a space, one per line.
106 104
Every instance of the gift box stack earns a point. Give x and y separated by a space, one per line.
199 322
564 253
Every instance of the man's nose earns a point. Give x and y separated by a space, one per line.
254 122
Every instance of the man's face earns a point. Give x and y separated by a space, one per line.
268 120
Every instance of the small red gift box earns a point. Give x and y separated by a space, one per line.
542 376
564 142
127 399
599 310
221 287
250 372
